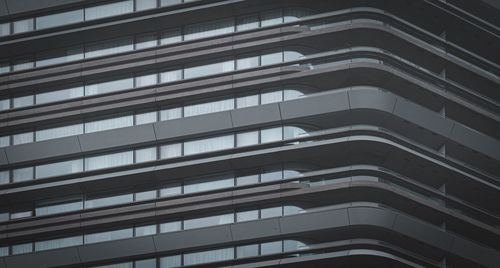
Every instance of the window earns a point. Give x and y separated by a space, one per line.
22 174
109 160
112 123
145 118
108 236
291 55
209 69
271 247
208 221
271 134
247 215
171 150
4 67
22 64
247 101
208 29
22 248
144 4
22 26
209 107
146 41
4 177
245 62
291 132
246 180
171 190
107 10
208 256
272 17
59 56
23 101
291 94
59 19
170 226
208 145
117 265
271 58
271 174
170 36
145 155
247 251
271 97
109 47
111 86
207 184
248 22
59 243
58 132
290 245
171 261
247 138
59 95
21 214
146 80
271 212
169 114
293 14
145 230
59 168
109 201
22 138
4 141
59 208
170 2
4 251
4 29
147 195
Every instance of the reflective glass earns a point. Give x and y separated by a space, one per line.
59 56
208 29
111 86
271 134
59 95
271 212
146 80
22 138
171 76
290 245
22 26
170 36
59 168
4 251
247 215
171 150
208 256
23 101
58 19
170 226
108 236
22 174
246 180
291 55
4 177
247 138
171 190
58 132
169 114
170 2
271 58
21 214
59 243
271 17
208 145
171 261
248 22
144 4
271 247
209 69
59 208
145 118
22 248
208 107
145 230
146 41
291 94
146 195
291 132
271 174
107 10
207 184
109 47
4 141
109 201
111 123
208 221
245 62
271 97
4 29
247 251
145 155
247 101
22 64
109 160
4 67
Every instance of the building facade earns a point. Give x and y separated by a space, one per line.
245 133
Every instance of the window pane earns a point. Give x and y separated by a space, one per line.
209 107
112 123
145 155
271 247
291 132
22 174
271 174
4 29
291 94
59 208
58 132
291 55
145 230
289 245
170 151
22 64
146 80
147 195
118 265
59 243
207 29
22 248
4 67
291 210
271 97
145 118
170 261
245 62
59 95
59 56
271 58
272 17
4 177
293 14
271 134
59 19
111 86
170 2
208 221
22 138
171 76
146 41
247 251
21 214
246 180
171 190
4 141
207 184
247 215
109 47
170 36
208 256
22 26
247 138
271 212
144 4
60 168
107 10
247 101
169 114
4 251
248 22
209 69
209 145
109 201
170 226
108 236
23 101
109 160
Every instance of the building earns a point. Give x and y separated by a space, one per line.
240 133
